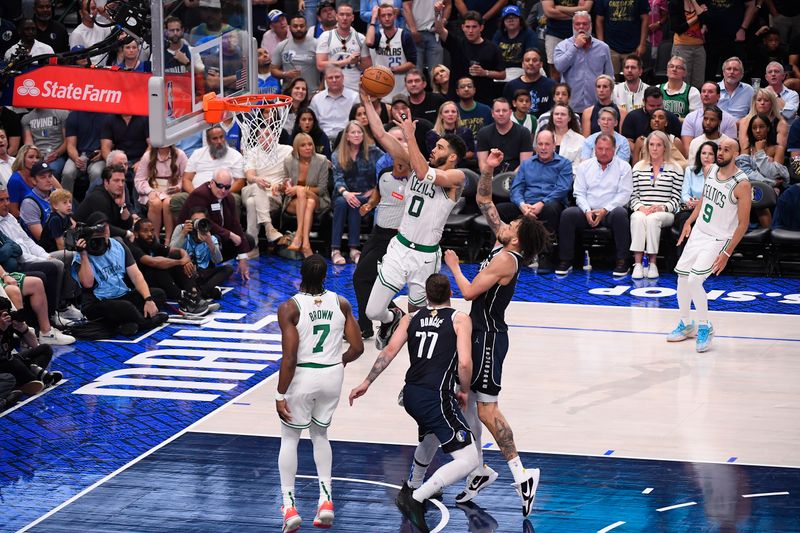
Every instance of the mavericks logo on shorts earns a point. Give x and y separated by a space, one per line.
461 435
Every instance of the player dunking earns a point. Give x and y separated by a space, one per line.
722 218
491 292
413 254
310 381
439 349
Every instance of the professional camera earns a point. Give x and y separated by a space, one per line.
200 228
93 235
17 315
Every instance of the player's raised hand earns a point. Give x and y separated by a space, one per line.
495 158
359 391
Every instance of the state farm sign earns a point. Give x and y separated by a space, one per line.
82 89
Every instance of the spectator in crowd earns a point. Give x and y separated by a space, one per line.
44 128
561 95
129 133
345 48
540 188
117 158
132 58
35 206
332 104
10 122
440 80
205 252
474 115
659 19
419 16
768 49
787 211
423 104
762 159
540 88
367 6
624 27
447 121
27 46
658 122
629 94
5 159
82 139
693 123
566 130
306 191
267 83
296 57
157 179
401 105
109 200
21 180
637 122
278 31
694 178
215 197
472 55
607 119
297 88
712 118
735 96
489 10
354 180
225 72
680 98
514 39
687 18
765 102
603 90
212 25
58 222
602 189
48 30
307 123
326 17
559 15
101 267
521 107
262 197
580 59
512 139
178 55
788 99
793 146
391 46
727 24
655 199
8 33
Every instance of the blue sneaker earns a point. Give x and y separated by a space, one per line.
682 332
704 335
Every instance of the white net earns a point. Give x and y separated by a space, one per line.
261 128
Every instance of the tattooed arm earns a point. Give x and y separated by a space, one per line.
484 194
388 354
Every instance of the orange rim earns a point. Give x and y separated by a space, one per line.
214 105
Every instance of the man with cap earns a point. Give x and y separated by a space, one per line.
278 31
212 25
35 207
514 39
87 33
326 18
401 105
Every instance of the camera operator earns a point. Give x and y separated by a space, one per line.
109 200
215 198
196 238
101 267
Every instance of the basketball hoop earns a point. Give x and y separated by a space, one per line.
260 117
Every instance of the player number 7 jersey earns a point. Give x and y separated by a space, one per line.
321 328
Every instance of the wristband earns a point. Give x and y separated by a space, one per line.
149 299
279 397
726 253
241 256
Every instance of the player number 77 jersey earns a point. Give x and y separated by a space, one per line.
426 209
321 328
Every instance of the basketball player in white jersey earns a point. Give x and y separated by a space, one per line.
433 188
391 47
722 219
344 47
312 324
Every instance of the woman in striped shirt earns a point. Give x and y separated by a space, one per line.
656 197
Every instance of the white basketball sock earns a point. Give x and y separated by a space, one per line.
287 463
323 458
517 470
699 296
464 461
684 299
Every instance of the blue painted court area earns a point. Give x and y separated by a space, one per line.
63 441
216 483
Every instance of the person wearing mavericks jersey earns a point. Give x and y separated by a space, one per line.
722 219
313 323
413 254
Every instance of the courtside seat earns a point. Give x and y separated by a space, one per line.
457 230
785 242
764 197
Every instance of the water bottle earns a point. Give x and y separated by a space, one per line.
587 263
645 261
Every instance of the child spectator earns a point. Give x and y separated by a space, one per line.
59 221
522 108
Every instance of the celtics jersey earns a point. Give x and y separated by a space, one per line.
321 328
427 207
677 103
719 214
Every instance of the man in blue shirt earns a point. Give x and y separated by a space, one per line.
735 96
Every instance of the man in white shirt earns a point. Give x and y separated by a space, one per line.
774 77
735 97
28 42
332 106
693 123
262 196
629 94
87 33
345 48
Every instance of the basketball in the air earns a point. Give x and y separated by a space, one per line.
377 81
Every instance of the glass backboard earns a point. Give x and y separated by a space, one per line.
195 51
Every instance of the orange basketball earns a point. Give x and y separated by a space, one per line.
377 81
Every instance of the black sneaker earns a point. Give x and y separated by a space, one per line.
545 265
411 508
367 333
56 377
154 321
563 268
10 400
621 268
386 330
128 329
191 304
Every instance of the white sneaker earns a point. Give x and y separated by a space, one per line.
478 480
527 491
652 271
61 321
272 234
638 271
72 313
55 338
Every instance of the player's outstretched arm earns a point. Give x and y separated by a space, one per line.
419 164
483 197
744 200
463 327
386 356
500 270
395 149
352 333
288 315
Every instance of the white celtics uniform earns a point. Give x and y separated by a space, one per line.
713 229
314 391
338 48
389 53
414 254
